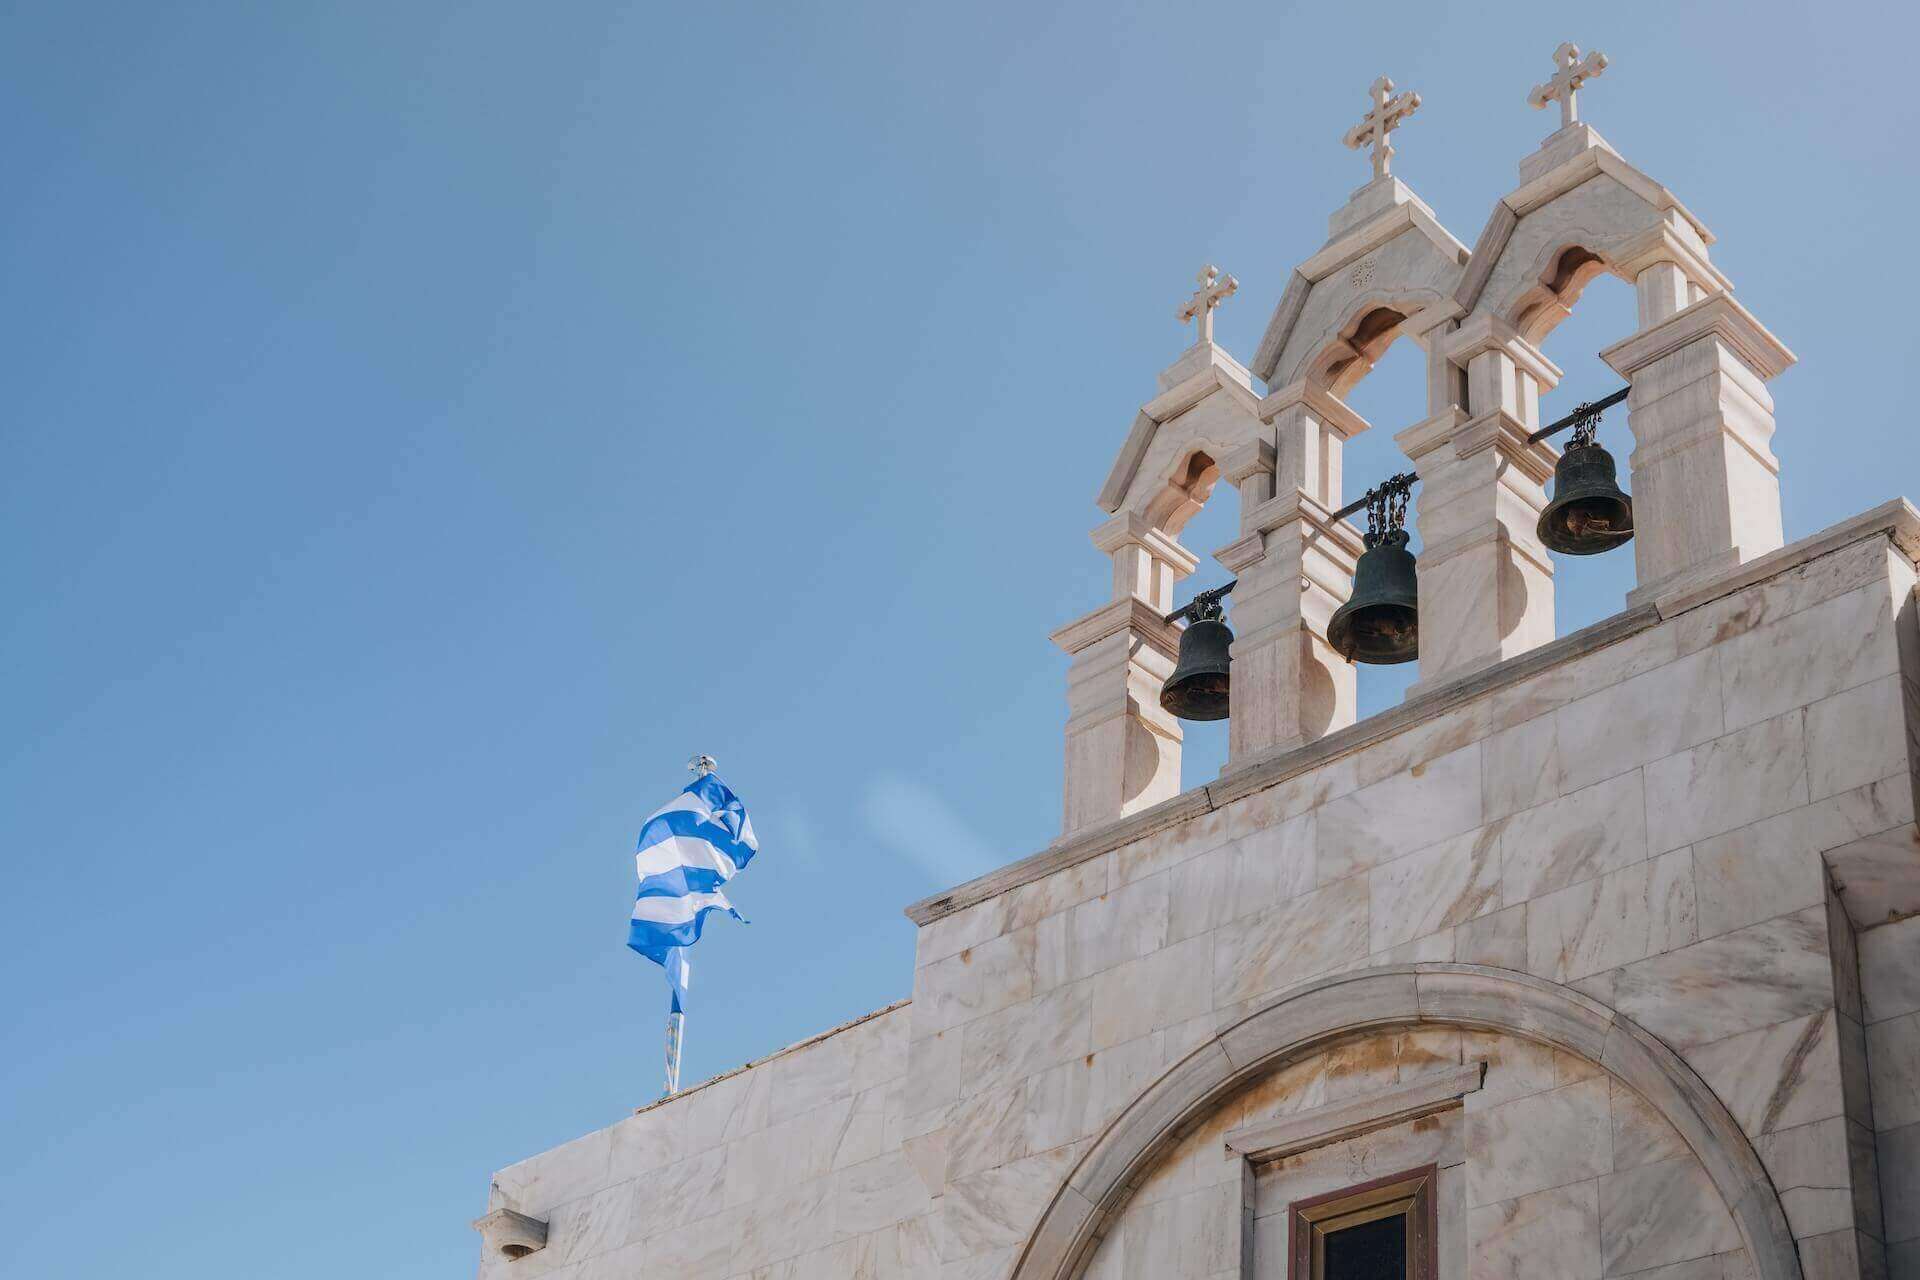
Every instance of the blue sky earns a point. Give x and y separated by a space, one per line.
428 423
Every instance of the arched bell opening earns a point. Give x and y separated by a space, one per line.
1591 553
1204 515
1558 286
1359 347
1185 493
1392 394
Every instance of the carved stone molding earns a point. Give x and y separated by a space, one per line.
1459 995
1338 1121
510 1234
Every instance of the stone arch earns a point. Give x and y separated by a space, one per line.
1188 485
1369 324
1468 996
1554 281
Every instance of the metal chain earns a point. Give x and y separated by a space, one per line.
1586 421
1387 506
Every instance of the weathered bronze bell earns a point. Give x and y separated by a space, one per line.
1197 689
1589 512
1380 623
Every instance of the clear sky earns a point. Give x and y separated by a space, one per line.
427 423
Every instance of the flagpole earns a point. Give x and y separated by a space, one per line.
702 765
676 1021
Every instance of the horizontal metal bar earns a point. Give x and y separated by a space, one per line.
1553 428
1211 593
1584 411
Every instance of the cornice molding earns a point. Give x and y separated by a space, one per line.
1317 400
1487 332
1131 614
1718 317
1896 520
1131 528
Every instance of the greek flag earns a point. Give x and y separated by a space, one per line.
688 849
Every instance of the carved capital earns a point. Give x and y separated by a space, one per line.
1131 614
1672 241
1255 457
510 1234
1316 400
1487 332
1718 317
1129 529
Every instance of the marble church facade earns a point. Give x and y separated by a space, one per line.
1598 956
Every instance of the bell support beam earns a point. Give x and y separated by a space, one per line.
1123 750
1294 565
1486 581
1706 486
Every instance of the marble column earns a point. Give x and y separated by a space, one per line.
1123 751
1294 565
1669 267
1705 483
1486 582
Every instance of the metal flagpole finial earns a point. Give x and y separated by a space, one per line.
702 765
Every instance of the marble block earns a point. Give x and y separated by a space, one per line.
1435 889
1554 1233
1540 1141
1893 1056
1724 784
1778 1076
1780 970
1406 812
1890 969
1642 910
1661 1213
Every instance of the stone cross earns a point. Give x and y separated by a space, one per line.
1212 291
1574 71
1382 118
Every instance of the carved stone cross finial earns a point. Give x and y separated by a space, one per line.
1382 118
1573 72
1214 288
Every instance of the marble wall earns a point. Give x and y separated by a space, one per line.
1551 1168
1706 824
1890 1000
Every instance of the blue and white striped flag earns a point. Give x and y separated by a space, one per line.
688 849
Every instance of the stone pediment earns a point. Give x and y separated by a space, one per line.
1388 268
1206 404
1580 211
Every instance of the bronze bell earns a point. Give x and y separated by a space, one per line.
1589 512
1197 689
1380 623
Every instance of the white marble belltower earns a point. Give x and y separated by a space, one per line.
1597 957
